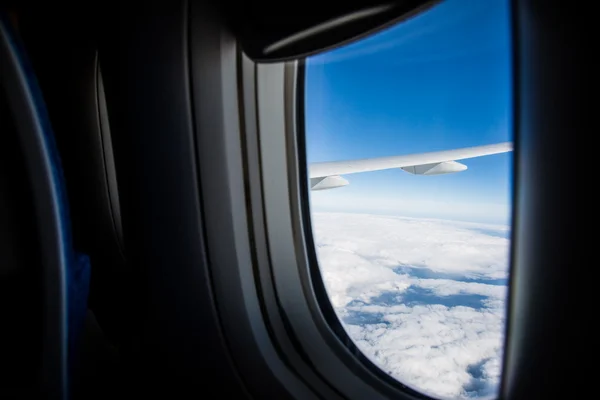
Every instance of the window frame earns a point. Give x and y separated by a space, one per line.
256 230
274 318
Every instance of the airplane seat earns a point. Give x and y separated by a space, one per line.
43 280
20 267
69 72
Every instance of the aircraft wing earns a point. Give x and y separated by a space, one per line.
326 175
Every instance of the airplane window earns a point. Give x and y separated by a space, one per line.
409 146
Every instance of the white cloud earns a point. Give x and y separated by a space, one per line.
423 299
416 206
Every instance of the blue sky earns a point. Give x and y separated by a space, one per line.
440 80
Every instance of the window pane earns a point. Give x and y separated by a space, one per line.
415 256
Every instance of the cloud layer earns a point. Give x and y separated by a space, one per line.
423 299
